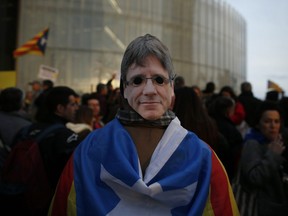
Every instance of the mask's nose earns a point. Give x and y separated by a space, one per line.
149 87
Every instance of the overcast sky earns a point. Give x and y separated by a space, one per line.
267 42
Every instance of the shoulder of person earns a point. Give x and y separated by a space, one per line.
67 135
59 132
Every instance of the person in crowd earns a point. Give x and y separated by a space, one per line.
114 103
47 84
93 103
263 165
83 123
144 162
101 95
249 102
57 148
273 95
109 85
12 115
197 90
208 94
179 82
283 103
39 102
238 116
193 116
36 86
220 110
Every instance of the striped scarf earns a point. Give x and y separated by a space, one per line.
130 117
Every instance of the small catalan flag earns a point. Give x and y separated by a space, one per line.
36 45
273 86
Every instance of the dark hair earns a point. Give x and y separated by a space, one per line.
283 104
220 106
230 91
272 95
179 82
189 109
246 87
210 87
58 95
11 99
84 114
100 87
263 107
87 97
139 49
47 83
84 99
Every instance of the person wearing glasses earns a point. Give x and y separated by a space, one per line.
144 162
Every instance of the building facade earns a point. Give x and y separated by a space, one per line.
87 38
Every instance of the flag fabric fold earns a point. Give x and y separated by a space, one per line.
104 177
35 46
273 86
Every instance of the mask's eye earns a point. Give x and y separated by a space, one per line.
137 80
159 80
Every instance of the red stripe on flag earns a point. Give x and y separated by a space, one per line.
221 197
59 203
31 45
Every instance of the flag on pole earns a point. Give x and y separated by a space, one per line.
36 45
274 86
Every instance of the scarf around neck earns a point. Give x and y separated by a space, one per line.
132 118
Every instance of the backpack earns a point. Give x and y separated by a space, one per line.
25 187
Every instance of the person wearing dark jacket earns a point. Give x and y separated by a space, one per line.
55 149
221 110
12 115
263 165
61 106
12 119
249 101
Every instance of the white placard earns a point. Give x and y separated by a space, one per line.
47 72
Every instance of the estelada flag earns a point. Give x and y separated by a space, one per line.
274 86
35 46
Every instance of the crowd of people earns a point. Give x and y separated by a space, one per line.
155 145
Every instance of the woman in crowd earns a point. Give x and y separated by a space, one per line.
263 165
189 108
83 123
238 116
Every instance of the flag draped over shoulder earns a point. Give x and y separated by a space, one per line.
103 177
274 86
36 45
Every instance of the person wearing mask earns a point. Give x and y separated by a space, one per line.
144 162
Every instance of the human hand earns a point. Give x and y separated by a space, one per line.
277 146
